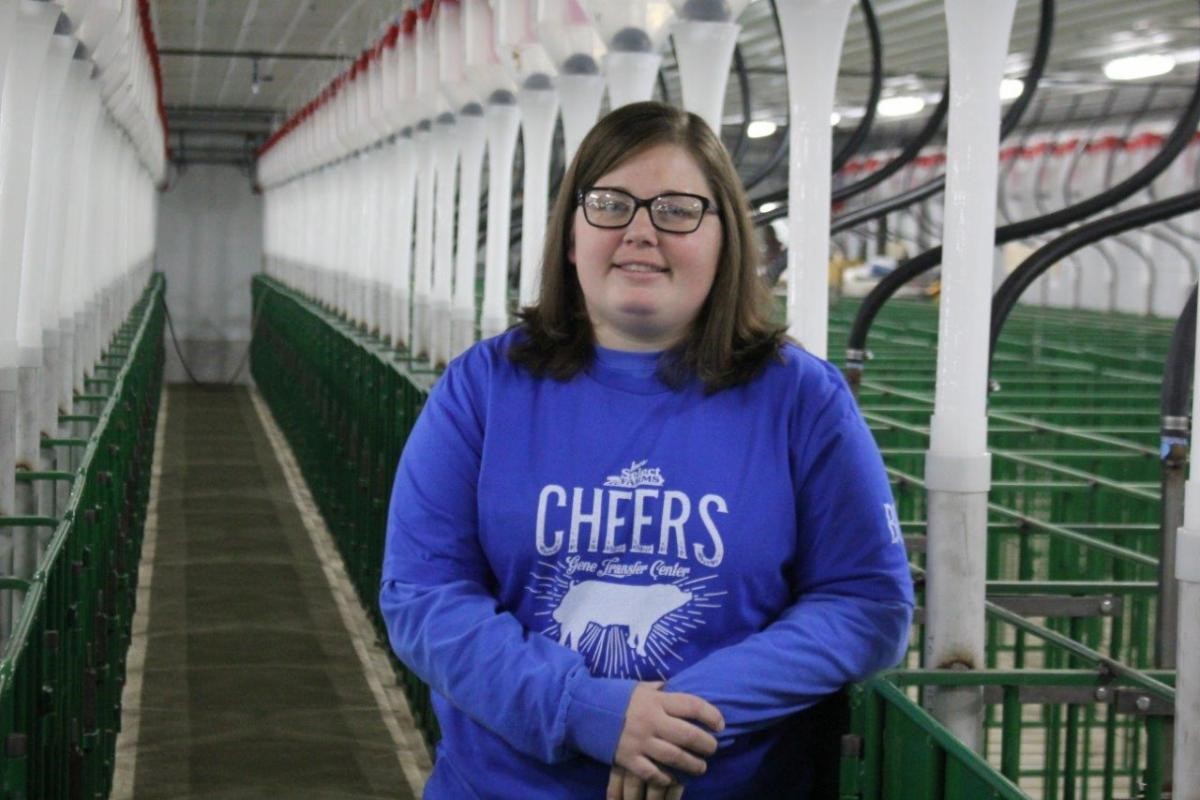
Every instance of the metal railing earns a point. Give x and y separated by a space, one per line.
64 665
1072 567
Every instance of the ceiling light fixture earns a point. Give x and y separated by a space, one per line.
1132 68
760 128
902 106
1011 88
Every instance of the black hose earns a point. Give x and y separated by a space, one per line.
781 147
857 136
902 159
863 128
1175 143
1010 120
1177 373
1050 254
739 147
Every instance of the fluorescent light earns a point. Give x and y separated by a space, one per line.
765 207
1011 88
835 118
902 106
760 128
1132 68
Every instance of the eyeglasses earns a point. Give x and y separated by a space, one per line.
674 212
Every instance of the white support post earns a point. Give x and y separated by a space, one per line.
423 263
503 120
539 111
958 466
470 124
445 166
813 31
406 172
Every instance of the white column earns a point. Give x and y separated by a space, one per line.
813 31
539 111
503 121
958 466
446 163
470 124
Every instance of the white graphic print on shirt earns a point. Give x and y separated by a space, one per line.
629 603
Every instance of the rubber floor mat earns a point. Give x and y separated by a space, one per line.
251 686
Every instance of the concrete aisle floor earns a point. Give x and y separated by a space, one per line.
251 687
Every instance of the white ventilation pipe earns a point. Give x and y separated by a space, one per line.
813 31
32 26
529 66
633 32
576 50
463 100
502 120
31 340
958 465
705 33
445 156
405 173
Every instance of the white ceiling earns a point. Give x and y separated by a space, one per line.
297 44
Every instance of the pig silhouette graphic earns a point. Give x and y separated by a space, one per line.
605 604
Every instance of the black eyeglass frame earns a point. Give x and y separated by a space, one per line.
706 207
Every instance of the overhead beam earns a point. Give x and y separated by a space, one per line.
260 55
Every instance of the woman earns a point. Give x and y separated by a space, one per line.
631 537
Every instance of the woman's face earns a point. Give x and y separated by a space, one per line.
644 287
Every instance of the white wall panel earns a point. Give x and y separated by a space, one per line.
209 246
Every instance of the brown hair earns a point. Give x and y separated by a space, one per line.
732 337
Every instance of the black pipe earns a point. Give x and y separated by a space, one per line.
1176 431
739 147
1177 375
857 136
863 128
781 147
1174 144
902 159
1050 254
1010 120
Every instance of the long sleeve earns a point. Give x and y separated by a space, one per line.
438 597
851 586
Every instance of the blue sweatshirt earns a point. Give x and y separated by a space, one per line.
552 543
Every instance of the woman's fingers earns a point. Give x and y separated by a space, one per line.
634 788
675 792
689 736
689 706
656 792
616 781
674 757
646 771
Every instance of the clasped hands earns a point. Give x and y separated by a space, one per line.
661 733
